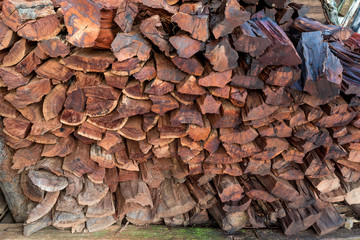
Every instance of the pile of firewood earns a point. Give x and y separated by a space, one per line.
178 113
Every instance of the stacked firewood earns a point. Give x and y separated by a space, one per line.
178 112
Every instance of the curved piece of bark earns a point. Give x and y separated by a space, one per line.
86 15
102 91
135 89
53 102
47 181
132 44
196 25
43 222
43 207
92 193
186 46
221 55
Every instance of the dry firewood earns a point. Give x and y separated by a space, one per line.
207 104
336 120
186 46
189 65
186 99
196 25
85 79
158 87
102 209
238 206
92 193
8 38
72 118
27 156
108 29
125 14
231 15
111 179
90 131
30 190
329 221
30 93
28 64
221 55
7 110
115 80
87 26
328 65
255 190
127 67
136 191
41 29
255 108
18 127
278 187
166 70
175 199
63 147
75 99
280 76
153 137
252 166
147 72
312 113
54 47
238 96
12 78
151 174
96 107
152 29
163 104
241 80
277 96
47 181
43 222
230 222
75 185
249 38
130 107
216 79
279 43
135 153
17 52
69 204
289 171
241 135
186 115
334 196
102 91
89 60
229 116
43 207
15 142
353 134
66 220
241 151
78 162
163 4
198 133
135 89
53 102
132 129
53 164
132 44
97 224
149 121
228 188
111 121
297 220
99 155
275 129
190 86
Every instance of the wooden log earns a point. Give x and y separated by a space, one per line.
186 46
224 59
196 25
328 63
43 207
17 52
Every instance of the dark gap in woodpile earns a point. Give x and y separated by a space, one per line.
244 114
